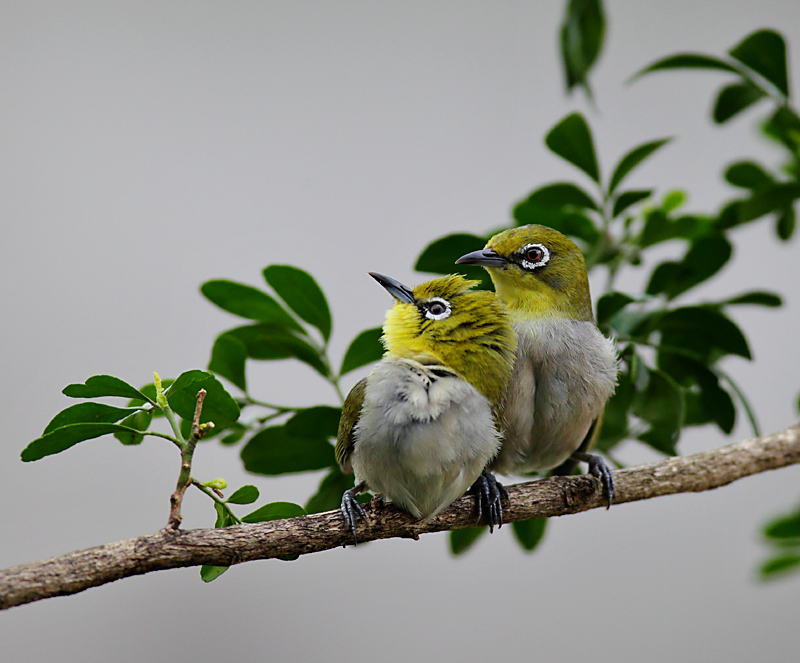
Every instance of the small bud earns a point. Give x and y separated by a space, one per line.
216 484
160 398
209 425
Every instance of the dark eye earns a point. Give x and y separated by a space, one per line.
437 309
533 256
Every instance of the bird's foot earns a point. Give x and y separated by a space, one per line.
352 510
489 493
599 469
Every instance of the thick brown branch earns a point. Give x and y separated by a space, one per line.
557 496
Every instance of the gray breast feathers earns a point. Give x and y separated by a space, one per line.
564 374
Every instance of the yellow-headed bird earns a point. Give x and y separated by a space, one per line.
565 369
422 426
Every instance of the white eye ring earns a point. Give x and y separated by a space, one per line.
437 316
527 264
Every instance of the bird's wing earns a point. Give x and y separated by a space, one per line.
351 412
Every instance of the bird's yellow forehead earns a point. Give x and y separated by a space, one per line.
509 241
446 287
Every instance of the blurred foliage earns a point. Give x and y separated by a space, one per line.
670 345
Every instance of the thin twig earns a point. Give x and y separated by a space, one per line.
185 475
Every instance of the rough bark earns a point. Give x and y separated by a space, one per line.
556 496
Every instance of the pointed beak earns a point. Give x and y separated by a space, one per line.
400 292
483 257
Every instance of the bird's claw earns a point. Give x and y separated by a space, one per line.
351 510
599 469
489 493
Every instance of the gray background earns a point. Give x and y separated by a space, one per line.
147 147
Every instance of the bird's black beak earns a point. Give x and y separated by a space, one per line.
483 257
396 289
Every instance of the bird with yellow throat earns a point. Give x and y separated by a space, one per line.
565 369
422 427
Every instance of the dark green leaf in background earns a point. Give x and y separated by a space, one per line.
561 194
139 421
780 565
767 199
244 495
274 511
302 294
633 159
98 386
785 224
734 98
366 348
705 257
529 533
659 227
462 540
209 573
320 420
440 256
228 357
660 405
269 342
609 305
581 40
329 494
747 175
627 199
701 330
571 140
687 61
757 297
783 528
219 406
764 52
63 438
248 302
84 413
275 450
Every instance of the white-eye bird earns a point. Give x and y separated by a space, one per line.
565 370
422 426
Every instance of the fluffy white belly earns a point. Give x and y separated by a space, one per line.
422 438
564 374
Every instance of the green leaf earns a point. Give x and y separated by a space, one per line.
780 565
747 175
149 391
209 573
321 420
610 304
440 256
700 330
237 432
63 438
84 413
660 405
329 494
219 406
462 540
615 418
561 194
302 294
248 302
140 421
705 257
244 495
223 517
658 227
366 348
275 450
734 98
764 52
571 140
274 511
784 126
687 61
98 386
785 224
768 199
785 527
633 159
756 297
228 358
581 40
529 533
269 342
627 199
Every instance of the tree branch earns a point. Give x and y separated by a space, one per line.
556 496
